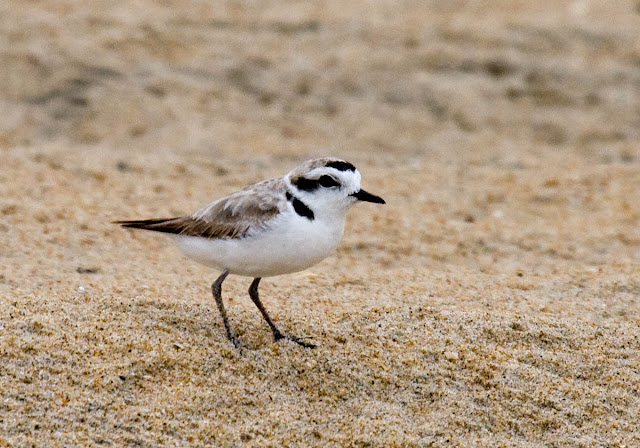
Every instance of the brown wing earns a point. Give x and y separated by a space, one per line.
187 225
234 216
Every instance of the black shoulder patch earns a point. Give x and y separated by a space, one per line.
304 184
300 207
341 165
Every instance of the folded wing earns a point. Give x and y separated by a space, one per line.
234 216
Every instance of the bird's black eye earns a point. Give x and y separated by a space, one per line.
328 181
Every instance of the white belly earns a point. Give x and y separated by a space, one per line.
289 245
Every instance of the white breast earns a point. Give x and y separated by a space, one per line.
291 243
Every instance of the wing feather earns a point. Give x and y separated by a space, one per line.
235 216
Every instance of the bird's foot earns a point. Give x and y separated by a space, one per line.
235 340
297 340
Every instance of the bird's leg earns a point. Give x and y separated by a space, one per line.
216 289
277 335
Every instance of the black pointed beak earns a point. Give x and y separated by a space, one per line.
362 195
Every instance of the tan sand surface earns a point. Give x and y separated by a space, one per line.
494 301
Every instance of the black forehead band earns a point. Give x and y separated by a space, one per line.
341 165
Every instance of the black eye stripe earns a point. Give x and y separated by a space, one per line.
328 181
304 184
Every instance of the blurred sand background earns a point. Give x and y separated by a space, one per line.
494 301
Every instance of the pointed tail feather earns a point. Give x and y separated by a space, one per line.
166 225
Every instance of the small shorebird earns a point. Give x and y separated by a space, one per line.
277 226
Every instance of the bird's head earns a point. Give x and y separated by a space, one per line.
328 184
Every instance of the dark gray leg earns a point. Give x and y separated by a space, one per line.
277 335
216 289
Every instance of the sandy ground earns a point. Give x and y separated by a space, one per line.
494 301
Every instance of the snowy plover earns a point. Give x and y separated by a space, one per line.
277 226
